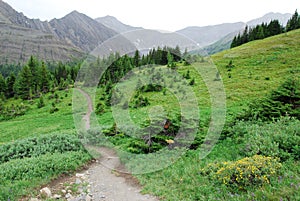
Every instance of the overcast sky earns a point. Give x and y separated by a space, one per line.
169 15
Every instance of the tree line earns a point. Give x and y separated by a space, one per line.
265 30
36 78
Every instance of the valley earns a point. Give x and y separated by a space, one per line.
177 124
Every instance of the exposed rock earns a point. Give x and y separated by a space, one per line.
88 198
58 40
79 175
46 192
78 181
68 196
115 24
34 199
56 196
81 30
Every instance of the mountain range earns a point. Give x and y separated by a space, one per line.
76 34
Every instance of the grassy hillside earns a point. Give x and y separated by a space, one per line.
256 69
259 66
39 121
248 72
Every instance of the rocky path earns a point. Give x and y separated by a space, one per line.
105 179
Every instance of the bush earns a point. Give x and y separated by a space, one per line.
247 172
41 102
12 111
36 146
284 101
18 174
278 139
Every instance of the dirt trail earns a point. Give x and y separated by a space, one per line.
106 183
87 116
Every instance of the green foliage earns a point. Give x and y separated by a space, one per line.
149 140
192 82
36 146
171 62
258 32
277 139
139 101
3 86
284 101
10 81
23 83
294 22
100 108
41 102
21 174
12 111
241 174
35 77
53 109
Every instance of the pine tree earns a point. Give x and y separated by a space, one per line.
43 82
33 65
260 33
23 84
10 81
294 22
245 36
274 28
3 86
234 42
137 58
177 53
170 60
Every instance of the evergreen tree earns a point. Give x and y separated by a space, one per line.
137 58
3 87
294 22
234 42
23 84
177 53
260 33
284 101
44 84
245 36
274 28
170 60
33 65
10 81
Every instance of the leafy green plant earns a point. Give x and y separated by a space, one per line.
13 111
284 101
250 171
20 174
280 138
36 146
41 102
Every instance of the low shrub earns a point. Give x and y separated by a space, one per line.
284 101
280 138
246 172
12 111
36 146
20 174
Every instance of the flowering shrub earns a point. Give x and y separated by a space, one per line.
249 171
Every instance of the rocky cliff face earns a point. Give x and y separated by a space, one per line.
58 40
17 44
114 24
81 30
10 16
